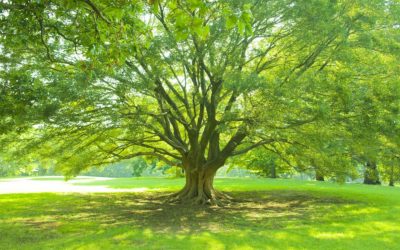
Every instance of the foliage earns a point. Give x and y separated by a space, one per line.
127 168
193 83
263 162
7 170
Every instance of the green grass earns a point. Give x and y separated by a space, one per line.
270 214
151 183
56 178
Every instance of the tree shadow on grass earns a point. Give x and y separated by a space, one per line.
252 210
144 219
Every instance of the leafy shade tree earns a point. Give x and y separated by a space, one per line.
376 101
190 82
128 168
263 162
319 150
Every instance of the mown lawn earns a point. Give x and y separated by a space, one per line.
269 214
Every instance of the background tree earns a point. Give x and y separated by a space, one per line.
263 162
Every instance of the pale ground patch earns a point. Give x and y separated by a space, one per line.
30 185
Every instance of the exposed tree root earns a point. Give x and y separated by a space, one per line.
210 197
199 190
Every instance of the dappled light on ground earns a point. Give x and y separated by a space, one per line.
260 220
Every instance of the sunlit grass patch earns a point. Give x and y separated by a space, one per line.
271 214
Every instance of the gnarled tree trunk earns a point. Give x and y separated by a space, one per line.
319 176
371 174
199 188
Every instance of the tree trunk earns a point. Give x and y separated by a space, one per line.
199 188
371 174
319 176
391 180
273 171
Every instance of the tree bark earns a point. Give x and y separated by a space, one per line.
319 176
371 174
273 171
199 188
391 179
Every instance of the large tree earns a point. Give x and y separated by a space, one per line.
190 82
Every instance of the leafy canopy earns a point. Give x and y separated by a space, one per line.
195 82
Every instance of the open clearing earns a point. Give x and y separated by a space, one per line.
57 185
268 214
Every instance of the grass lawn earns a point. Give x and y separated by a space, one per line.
56 178
269 214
